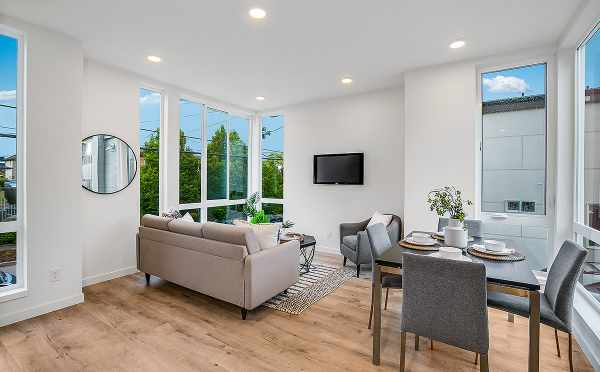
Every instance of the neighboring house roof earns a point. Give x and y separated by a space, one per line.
592 95
514 104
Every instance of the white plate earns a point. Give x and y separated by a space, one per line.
504 252
428 243
461 258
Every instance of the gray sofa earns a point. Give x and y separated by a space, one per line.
354 242
221 261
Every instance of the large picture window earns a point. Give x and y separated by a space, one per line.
150 119
190 151
12 267
587 223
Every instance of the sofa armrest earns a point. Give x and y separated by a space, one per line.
270 272
352 228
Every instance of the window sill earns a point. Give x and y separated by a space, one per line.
13 294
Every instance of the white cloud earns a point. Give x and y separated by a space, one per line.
7 95
150 98
502 84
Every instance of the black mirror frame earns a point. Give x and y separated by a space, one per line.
134 157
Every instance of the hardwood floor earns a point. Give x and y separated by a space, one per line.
126 326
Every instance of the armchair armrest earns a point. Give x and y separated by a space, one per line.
352 228
269 272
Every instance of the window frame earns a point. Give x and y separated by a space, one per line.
20 289
550 136
205 203
259 166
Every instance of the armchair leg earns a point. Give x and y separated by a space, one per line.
244 313
417 339
476 358
387 291
570 353
147 278
557 344
484 365
358 270
345 258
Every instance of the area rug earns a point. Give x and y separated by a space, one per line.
310 288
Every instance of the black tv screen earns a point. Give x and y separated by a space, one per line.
339 169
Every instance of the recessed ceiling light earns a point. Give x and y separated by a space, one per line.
260 98
257 13
346 80
457 44
154 59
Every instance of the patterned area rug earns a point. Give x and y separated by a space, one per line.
310 288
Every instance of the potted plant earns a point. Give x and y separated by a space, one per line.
448 201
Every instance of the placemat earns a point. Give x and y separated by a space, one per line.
430 248
516 256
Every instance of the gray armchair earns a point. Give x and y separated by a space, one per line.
354 241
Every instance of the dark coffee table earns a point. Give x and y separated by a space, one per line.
307 251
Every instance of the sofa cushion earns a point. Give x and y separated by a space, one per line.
182 226
350 241
156 222
266 234
231 234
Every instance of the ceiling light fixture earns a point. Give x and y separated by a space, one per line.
260 98
346 80
457 44
257 13
154 59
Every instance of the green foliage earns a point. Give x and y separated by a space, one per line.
149 175
260 217
8 238
250 208
189 172
272 176
447 200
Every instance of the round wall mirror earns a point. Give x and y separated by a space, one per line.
108 164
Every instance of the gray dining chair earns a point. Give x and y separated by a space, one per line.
475 227
445 300
380 242
556 303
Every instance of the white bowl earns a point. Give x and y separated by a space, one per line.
494 245
421 237
450 252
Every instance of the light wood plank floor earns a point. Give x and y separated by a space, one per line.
125 326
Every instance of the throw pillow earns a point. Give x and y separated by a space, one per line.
188 217
266 233
380 218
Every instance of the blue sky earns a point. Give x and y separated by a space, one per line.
514 82
8 86
273 141
592 61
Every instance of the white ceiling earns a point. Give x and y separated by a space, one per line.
302 48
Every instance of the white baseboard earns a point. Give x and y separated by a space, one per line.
6 319
99 278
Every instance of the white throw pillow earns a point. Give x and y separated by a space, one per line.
188 217
380 218
266 233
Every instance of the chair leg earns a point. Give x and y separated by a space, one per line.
557 344
358 270
371 312
417 339
387 291
345 258
431 344
244 313
476 358
147 279
570 353
483 365
510 317
402 350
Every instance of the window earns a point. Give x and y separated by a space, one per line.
150 120
271 154
514 140
12 267
216 151
190 151
238 157
587 219
225 213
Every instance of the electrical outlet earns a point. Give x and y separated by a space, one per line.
54 275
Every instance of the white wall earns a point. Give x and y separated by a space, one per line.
439 137
110 106
371 123
53 210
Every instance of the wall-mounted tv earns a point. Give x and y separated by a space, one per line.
339 169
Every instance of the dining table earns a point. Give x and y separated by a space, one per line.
513 277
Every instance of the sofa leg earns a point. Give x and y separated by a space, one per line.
147 278
244 313
358 270
345 258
